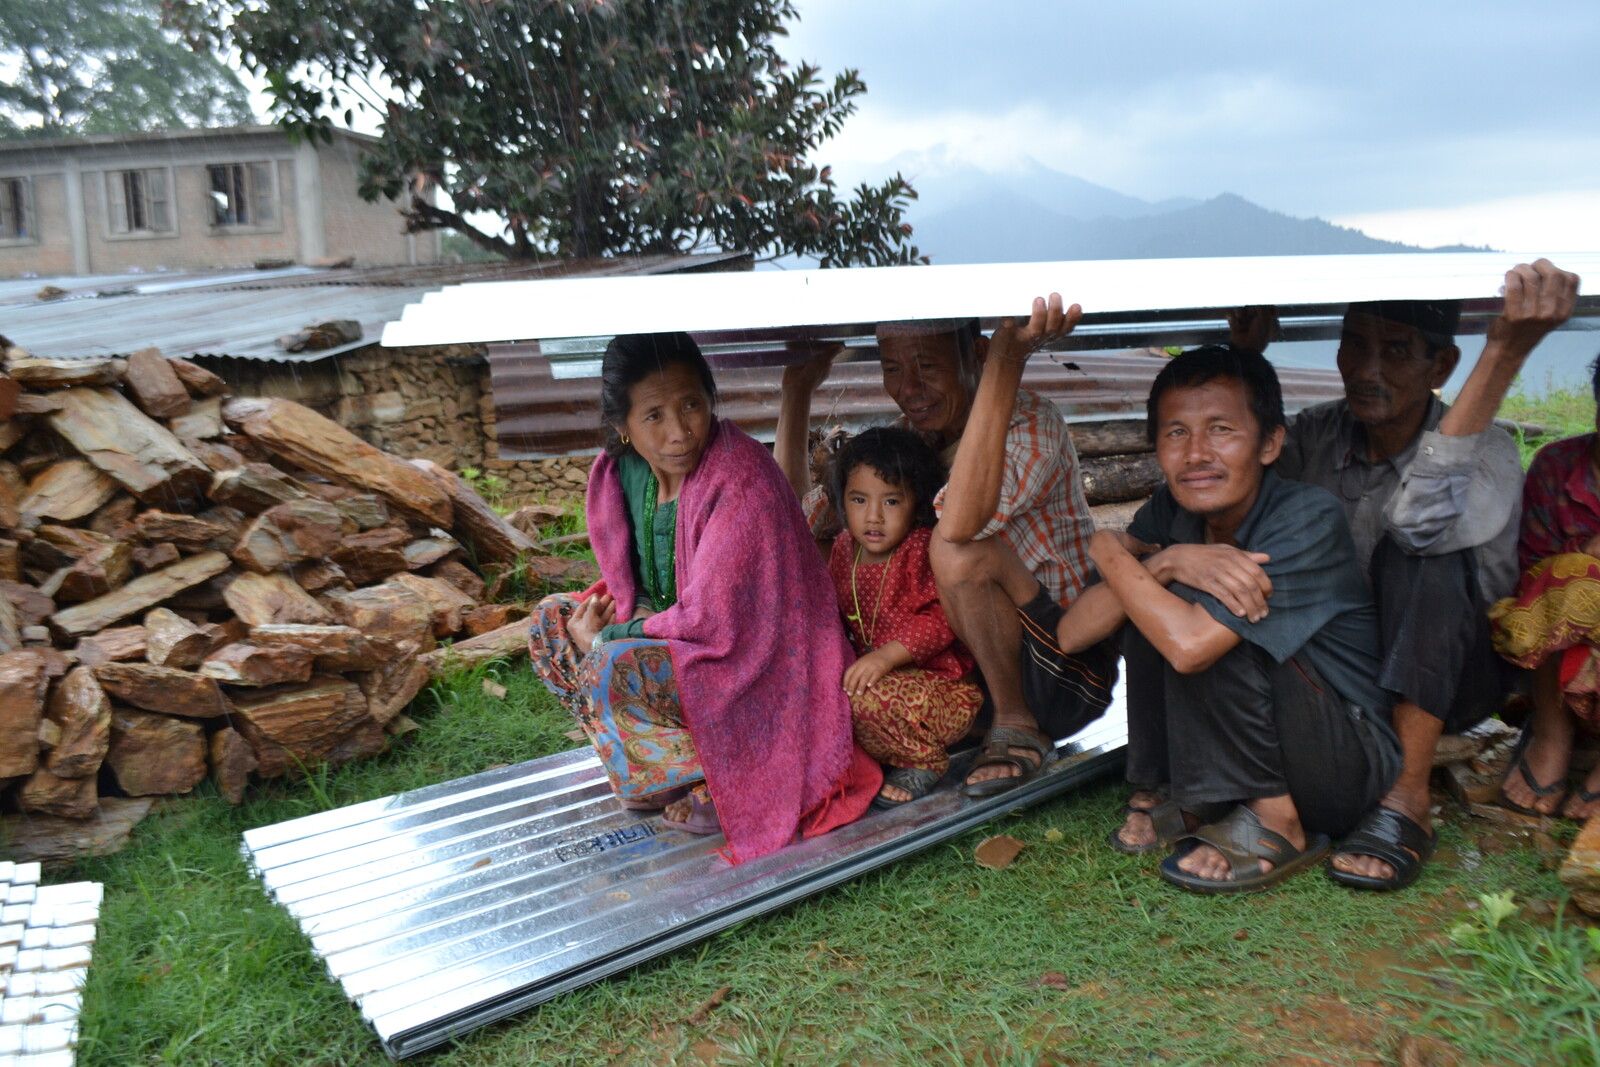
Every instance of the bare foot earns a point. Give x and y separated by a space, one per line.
1139 829
679 810
1579 809
1406 802
1546 758
1208 863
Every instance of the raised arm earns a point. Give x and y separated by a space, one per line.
1539 298
973 492
801 380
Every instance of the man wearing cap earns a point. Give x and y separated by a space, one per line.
1432 494
1001 575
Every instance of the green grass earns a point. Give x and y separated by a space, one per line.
933 960
1563 410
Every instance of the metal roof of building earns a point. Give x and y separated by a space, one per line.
242 313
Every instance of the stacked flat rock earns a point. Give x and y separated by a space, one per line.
197 585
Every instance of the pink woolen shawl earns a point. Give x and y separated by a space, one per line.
757 647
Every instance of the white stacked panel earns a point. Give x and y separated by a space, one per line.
45 937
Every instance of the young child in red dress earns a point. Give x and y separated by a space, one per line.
910 691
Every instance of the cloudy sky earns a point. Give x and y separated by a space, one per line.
1428 122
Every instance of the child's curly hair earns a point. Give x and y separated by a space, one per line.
899 457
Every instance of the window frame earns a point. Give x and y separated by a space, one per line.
114 188
253 195
27 219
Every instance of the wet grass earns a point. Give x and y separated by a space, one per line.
1563 410
1072 955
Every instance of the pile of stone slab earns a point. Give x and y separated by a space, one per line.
195 584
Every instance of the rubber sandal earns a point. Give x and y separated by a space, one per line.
1585 797
1244 843
1167 819
1393 837
917 781
656 801
702 818
1519 765
997 743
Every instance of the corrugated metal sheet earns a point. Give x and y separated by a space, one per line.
541 415
451 907
242 313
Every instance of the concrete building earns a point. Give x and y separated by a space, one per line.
191 200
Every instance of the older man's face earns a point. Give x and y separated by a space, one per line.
923 375
1389 374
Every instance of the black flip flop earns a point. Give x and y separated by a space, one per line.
1519 764
997 745
918 781
1167 820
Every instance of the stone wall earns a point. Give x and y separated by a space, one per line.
432 403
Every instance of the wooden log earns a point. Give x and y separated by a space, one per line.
1109 479
22 700
56 373
189 532
247 663
1110 437
155 386
112 646
320 445
173 641
67 491
478 525
372 555
262 599
461 576
138 595
164 689
337 648
203 422
100 572
291 533
231 763
155 754
199 381
47 793
81 712
324 720
508 642
125 443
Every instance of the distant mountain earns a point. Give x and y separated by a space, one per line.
1031 213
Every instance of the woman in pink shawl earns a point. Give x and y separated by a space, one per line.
706 665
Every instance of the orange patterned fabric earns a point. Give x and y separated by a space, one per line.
910 717
1556 609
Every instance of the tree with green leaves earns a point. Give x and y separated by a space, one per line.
106 66
587 127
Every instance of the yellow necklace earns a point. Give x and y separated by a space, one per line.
866 634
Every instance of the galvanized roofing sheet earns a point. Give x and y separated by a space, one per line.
242 313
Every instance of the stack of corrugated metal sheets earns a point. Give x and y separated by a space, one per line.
449 907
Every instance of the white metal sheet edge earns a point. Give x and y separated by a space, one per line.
522 310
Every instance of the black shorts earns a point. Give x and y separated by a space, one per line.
1066 691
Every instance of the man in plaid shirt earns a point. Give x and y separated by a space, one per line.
1004 573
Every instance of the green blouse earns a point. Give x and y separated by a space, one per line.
655 529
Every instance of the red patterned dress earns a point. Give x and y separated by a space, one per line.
915 712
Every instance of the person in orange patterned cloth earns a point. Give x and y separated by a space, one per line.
911 694
1551 625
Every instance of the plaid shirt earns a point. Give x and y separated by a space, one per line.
1043 516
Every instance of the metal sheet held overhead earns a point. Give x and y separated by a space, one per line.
841 303
451 907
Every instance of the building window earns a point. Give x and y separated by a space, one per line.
139 201
14 222
243 194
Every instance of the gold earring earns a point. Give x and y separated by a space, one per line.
625 440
